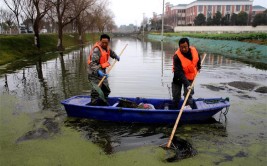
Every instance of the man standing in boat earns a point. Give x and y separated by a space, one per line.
98 62
186 64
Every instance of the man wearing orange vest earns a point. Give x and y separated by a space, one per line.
98 62
186 64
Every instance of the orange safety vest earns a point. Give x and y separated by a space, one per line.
103 57
189 67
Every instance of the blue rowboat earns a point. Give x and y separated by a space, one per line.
158 110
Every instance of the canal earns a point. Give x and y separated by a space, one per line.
34 128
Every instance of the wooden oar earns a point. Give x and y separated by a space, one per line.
101 81
181 110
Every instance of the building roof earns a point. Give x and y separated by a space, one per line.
258 7
220 2
223 0
180 5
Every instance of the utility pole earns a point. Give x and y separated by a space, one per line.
162 24
1 26
143 24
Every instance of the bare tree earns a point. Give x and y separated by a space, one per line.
102 15
84 20
90 20
67 11
52 17
15 6
108 22
110 25
41 7
8 18
35 10
28 9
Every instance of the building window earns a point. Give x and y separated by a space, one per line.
237 8
209 8
253 13
228 7
247 7
200 8
227 16
219 8
209 15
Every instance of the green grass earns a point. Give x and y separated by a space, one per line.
224 36
13 47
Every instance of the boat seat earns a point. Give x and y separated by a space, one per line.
204 105
201 105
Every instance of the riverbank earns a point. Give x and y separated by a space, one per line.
14 47
247 47
222 29
223 44
257 38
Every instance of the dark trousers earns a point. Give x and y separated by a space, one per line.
176 94
104 87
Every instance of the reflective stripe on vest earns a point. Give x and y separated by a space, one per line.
104 56
189 67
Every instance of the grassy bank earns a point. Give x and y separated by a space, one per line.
250 53
259 38
13 47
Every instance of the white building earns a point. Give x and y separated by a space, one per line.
184 14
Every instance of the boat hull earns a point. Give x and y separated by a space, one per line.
78 106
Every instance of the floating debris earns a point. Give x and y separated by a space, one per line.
213 88
262 89
34 134
243 85
181 149
48 129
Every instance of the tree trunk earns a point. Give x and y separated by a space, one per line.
60 37
36 34
81 38
17 18
80 32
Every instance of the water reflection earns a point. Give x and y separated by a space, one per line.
47 82
145 70
114 137
63 74
43 84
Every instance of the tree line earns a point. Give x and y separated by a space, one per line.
241 18
80 16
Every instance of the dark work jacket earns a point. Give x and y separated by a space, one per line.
179 76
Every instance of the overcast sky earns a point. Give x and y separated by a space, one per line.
131 11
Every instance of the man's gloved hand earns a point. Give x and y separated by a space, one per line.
101 73
198 68
117 58
188 88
